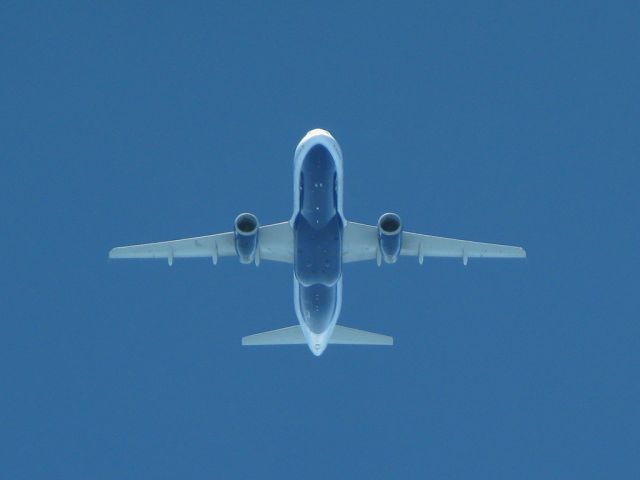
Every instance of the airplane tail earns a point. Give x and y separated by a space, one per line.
294 336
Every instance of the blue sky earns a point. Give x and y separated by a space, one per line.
511 123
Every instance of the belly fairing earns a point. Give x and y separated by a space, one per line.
318 304
318 254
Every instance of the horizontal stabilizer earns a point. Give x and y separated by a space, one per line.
351 336
282 336
294 336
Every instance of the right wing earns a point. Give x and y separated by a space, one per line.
275 242
361 243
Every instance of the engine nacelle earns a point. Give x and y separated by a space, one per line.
390 237
246 228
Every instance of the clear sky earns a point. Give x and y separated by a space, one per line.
142 122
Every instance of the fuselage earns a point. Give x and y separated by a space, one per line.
318 225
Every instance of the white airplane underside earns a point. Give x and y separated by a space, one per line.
317 241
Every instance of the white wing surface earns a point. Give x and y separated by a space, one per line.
361 243
275 242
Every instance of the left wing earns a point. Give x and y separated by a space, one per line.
361 243
275 242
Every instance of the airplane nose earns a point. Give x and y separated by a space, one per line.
318 131
318 136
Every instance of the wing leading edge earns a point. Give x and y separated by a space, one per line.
361 243
275 243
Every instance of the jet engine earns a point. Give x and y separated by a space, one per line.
245 231
389 237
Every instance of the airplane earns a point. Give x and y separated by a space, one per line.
317 240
